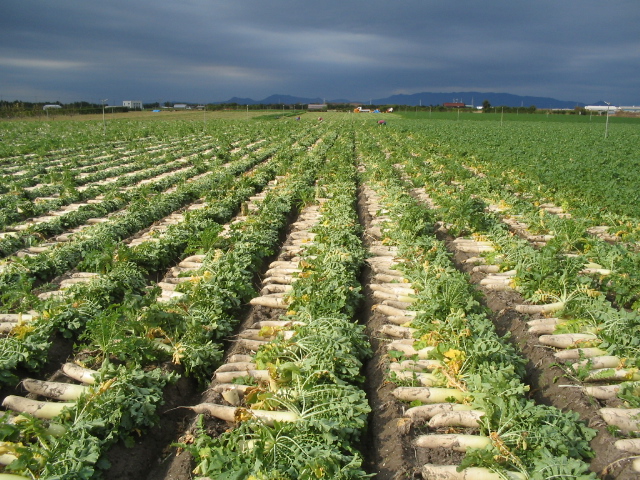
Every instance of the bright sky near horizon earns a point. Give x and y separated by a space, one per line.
212 50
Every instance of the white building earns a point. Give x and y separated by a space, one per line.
602 108
132 104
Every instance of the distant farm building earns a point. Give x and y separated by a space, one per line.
601 108
132 104
180 106
317 106
47 107
453 105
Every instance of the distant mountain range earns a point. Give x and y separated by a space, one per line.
426 99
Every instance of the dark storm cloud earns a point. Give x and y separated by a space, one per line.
208 50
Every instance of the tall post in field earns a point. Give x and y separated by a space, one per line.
606 123
104 123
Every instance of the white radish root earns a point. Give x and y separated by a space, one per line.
55 390
423 413
424 379
428 394
631 445
468 418
456 442
622 418
45 410
577 353
545 308
81 374
568 340
233 414
449 472
602 392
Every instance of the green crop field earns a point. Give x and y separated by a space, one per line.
245 295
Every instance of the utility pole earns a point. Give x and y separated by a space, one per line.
104 123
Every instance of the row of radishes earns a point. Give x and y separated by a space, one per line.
290 385
612 364
142 181
167 246
594 364
439 336
179 351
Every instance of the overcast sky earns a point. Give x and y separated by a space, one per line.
212 50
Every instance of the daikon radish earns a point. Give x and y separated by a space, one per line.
383 277
423 413
7 327
408 349
397 304
543 321
499 287
227 377
55 390
476 260
399 320
223 387
81 374
456 442
264 334
622 418
252 345
276 323
195 258
576 353
270 302
542 329
395 288
487 268
397 331
417 365
280 279
568 340
604 361
11 476
427 394
45 410
236 367
425 379
635 465
190 265
631 445
232 414
468 418
602 392
15 317
281 271
545 308
286 264
450 472
391 311
238 357
275 288
621 374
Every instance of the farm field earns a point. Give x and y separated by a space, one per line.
250 296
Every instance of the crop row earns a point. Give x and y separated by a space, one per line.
186 330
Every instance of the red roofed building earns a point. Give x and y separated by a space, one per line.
453 105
